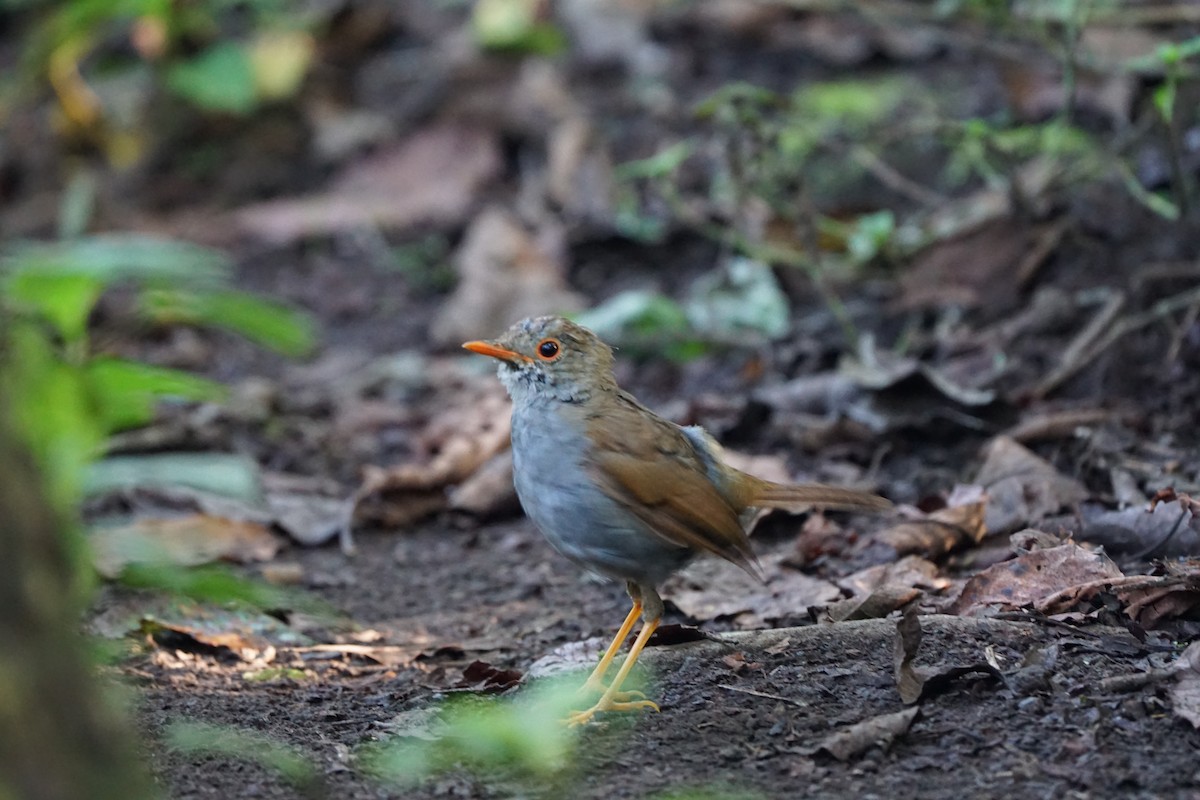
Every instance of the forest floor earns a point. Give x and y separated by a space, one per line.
1018 626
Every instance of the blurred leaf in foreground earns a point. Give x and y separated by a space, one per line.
523 735
199 738
219 79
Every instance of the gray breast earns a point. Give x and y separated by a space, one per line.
578 519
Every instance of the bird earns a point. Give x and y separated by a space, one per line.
621 491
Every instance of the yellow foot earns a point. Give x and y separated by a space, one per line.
592 687
576 718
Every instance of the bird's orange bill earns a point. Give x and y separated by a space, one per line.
495 351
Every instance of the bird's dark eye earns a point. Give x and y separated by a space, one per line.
548 349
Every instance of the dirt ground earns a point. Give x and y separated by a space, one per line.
747 724
1031 371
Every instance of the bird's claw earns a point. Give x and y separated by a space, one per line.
598 688
577 718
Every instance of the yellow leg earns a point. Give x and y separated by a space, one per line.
613 697
594 684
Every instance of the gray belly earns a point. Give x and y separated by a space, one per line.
578 519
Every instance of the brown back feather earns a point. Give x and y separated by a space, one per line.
650 467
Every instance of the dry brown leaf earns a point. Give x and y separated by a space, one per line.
505 273
908 571
1037 90
1159 597
433 177
937 533
1161 532
480 676
709 589
1021 487
1035 579
969 269
878 731
883 588
464 437
914 683
186 541
876 604
1185 694
489 491
225 645
307 518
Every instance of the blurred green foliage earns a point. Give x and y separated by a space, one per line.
738 304
203 739
108 61
515 26
522 738
66 397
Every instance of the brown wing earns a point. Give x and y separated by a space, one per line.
651 468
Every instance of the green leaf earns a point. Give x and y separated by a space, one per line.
513 25
741 302
117 257
269 324
1152 200
202 738
219 79
126 392
850 104
51 409
64 300
635 312
522 734
869 235
1164 100
661 164
735 102
220 473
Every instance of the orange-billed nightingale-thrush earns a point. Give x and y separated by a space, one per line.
618 489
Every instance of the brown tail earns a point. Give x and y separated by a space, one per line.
815 495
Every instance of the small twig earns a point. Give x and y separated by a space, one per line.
765 695
1162 541
1189 319
1135 680
890 177
1045 243
1058 424
1083 348
1086 347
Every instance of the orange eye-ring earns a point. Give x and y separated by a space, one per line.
549 349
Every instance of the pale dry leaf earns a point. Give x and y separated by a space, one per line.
505 274
908 571
489 492
878 731
184 541
1185 693
1037 90
580 171
969 269
959 524
1021 487
876 604
307 518
1136 529
709 589
876 369
431 178
464 437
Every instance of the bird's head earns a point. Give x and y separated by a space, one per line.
550 358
